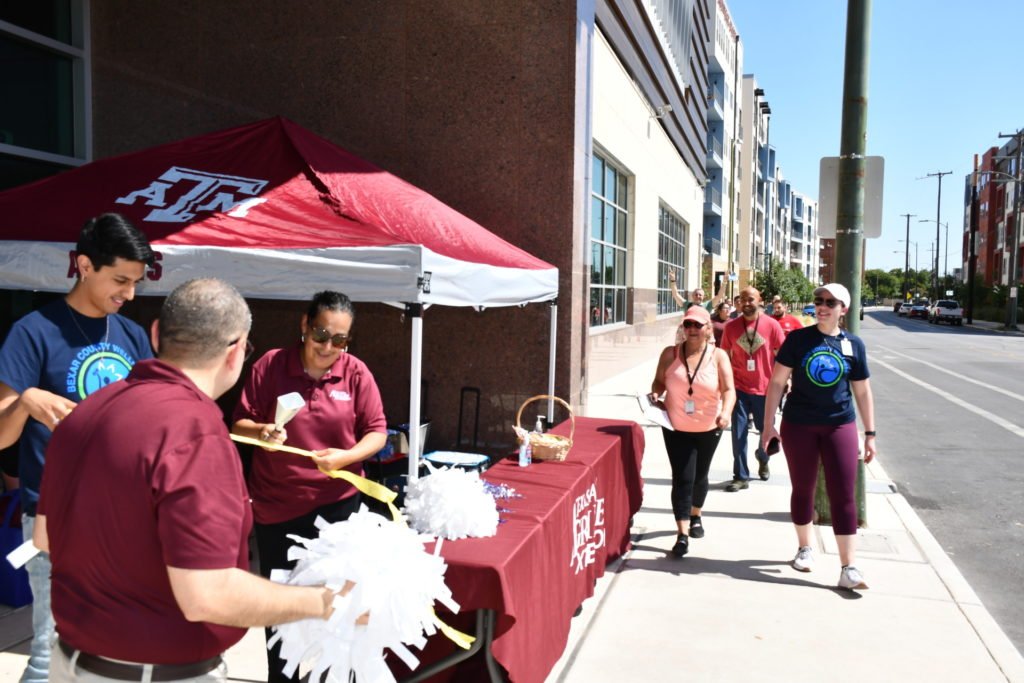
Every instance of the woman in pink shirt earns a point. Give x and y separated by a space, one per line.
342 423
694 383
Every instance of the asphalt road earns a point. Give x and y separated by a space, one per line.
949 407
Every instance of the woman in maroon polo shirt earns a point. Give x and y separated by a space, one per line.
342 422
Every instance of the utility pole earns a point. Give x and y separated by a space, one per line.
850 200
938 224
1011 301
853 135
972 259
906 261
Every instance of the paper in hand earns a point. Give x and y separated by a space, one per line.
288 405
653 413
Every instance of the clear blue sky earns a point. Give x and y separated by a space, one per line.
944 82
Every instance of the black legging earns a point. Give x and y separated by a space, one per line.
690 455
273 543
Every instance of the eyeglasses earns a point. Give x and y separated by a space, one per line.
831 303
692 324
249 348
338 341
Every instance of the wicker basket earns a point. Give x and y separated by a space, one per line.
548 446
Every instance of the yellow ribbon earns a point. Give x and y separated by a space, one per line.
370 488
375 491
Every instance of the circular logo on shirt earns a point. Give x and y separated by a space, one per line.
99 370
824 368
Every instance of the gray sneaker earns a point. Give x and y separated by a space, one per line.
851 579
804 560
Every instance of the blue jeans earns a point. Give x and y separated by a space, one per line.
38 668
747 406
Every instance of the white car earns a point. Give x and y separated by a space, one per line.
946 311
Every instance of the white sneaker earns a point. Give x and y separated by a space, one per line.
804 560
851 579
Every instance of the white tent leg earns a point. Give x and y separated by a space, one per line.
415 311
551 361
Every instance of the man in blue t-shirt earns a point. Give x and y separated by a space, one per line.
56 356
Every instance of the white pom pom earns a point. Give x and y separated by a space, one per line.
451 503
396 582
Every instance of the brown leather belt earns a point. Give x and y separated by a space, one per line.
121 671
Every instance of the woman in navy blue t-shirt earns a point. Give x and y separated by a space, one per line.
829 370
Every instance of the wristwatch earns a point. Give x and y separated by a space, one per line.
869 433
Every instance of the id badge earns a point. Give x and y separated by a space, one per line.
846 347
751 366
690 407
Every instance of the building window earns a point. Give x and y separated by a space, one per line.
671 256
43 69
608 214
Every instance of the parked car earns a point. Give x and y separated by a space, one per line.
946 311
896 307
902 308
919 309
809 310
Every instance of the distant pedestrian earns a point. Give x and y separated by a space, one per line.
696 380
697 297
718 320
829 369
787 322
735 312
751 340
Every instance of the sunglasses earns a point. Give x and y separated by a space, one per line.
338 341
692 324
249 348
831 303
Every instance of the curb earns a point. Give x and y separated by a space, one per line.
999 646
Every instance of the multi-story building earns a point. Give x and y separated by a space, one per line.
803 235
578 131
721 208
756 182
995 242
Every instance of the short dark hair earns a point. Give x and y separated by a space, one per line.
329 301
111 236
200 319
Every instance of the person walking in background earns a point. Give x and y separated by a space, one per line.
787 322
697 297
696 380
735 312
718 320
343 423
751 341
56 356
829 371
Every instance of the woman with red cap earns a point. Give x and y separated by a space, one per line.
829 369
694 384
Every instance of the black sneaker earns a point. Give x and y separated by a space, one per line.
696 527
763 471
737 485
682 546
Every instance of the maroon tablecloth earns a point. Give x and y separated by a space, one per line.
572 520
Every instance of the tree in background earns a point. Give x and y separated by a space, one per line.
789 283
879 284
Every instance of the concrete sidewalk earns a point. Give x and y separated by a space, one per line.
734 610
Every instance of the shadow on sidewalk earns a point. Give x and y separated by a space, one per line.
762 571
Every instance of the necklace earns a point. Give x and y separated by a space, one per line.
88 341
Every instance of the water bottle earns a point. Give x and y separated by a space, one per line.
525 452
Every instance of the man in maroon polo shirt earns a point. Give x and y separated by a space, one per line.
146 515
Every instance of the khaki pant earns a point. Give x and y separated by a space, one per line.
63 670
